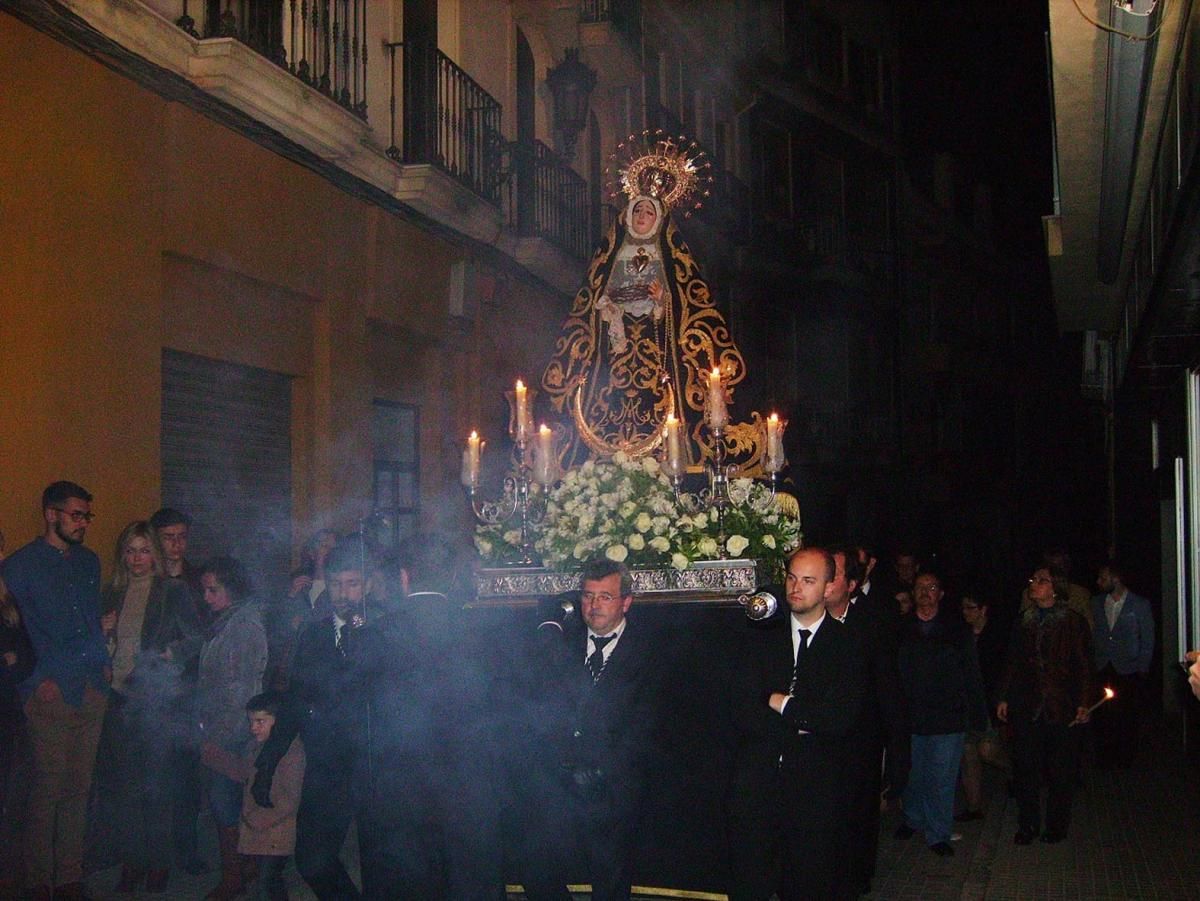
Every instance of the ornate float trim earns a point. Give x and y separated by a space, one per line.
704 582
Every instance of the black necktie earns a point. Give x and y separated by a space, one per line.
596 660
801 648
338 632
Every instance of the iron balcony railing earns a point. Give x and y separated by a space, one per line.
548 199
624 15
321 42
446 119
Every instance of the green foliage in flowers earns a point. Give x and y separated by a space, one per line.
626 510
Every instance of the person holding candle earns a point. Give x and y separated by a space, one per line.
1046 688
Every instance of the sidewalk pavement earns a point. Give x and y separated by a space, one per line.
1135 835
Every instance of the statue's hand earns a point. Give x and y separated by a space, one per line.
655 289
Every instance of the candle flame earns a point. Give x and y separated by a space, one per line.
1109 694
520 385
774 417
544 430
474 435
716 373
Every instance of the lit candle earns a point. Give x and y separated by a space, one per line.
674 446
471 455
1109 694
718 417
524 422
775 460
543 457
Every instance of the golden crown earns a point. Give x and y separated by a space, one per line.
673 170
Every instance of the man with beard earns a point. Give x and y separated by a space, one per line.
329 696
56 583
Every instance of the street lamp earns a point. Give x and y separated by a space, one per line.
571 83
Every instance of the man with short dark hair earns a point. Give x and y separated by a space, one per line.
56 583
328 690
432 803
798 692
1123 641
881 722
591 744
172 530
940 679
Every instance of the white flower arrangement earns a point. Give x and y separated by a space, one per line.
625 510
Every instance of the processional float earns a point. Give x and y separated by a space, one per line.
637 398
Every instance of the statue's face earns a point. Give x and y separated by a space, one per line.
643 217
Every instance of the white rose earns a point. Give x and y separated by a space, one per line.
617 553
643 523
700 519
736 544
579 550
660 524
513 536
636 542
769 541
650 465
483 546
679 561
660 543
628 508
620 457
708 547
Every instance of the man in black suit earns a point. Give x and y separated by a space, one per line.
591 730
432 810
328 692
798 693
881 723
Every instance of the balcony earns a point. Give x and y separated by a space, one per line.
295 75
321 42
446 119
621 16
548 199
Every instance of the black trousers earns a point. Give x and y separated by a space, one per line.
1044 755
561 821
433 838
328 804
789 840
864 760
1115 724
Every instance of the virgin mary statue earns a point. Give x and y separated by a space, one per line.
643 332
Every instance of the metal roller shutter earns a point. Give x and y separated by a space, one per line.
227 462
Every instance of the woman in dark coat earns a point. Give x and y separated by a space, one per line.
153 634
1043 694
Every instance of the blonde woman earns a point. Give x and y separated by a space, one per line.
153 634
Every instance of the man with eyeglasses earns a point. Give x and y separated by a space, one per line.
591 740
56 583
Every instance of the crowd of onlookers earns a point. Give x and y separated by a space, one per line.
359 698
